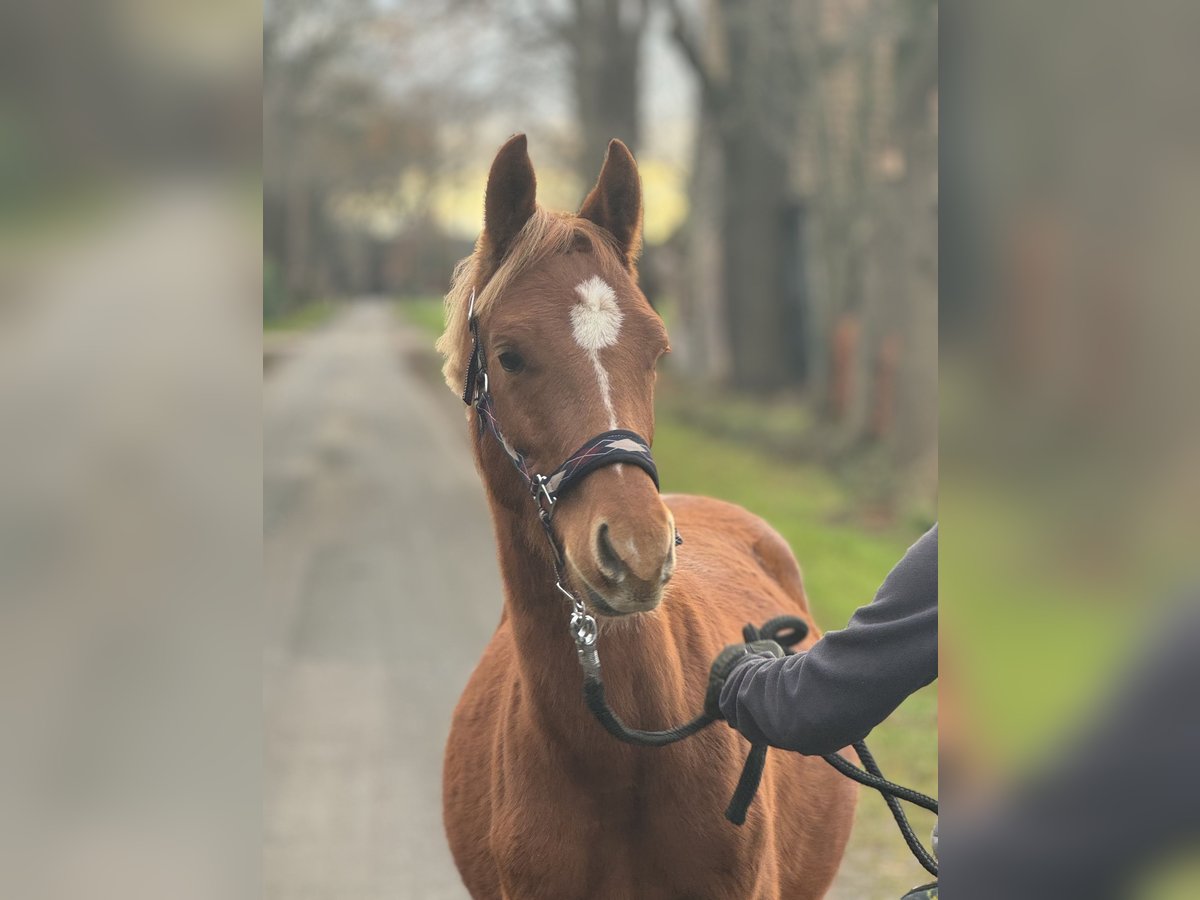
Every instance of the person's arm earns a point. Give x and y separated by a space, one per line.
851 680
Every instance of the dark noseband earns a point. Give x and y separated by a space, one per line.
604 449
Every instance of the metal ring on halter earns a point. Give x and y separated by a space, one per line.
583 629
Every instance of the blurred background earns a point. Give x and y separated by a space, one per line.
130 403
1070 432
788 153
139 222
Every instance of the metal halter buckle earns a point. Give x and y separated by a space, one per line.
542 493
583 626
583 629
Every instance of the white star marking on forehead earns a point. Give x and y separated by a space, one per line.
596 319
596 322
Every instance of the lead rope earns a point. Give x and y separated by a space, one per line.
787 631
777 630
597 704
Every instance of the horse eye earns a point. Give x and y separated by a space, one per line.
511 362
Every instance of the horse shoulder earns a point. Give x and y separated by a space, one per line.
738 530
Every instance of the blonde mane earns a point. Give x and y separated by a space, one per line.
545 234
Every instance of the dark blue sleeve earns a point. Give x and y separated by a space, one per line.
851 680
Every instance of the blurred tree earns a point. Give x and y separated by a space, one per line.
346 157
302 46
871 176
915 440
605 37
601 44
812 237
747 57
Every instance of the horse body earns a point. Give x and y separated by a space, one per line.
542 803
539 800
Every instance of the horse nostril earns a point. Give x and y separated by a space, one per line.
610 563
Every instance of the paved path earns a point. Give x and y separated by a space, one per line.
381 591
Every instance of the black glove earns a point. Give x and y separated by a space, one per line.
725 662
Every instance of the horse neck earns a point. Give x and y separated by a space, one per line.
546 661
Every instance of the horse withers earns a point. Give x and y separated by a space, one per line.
540 803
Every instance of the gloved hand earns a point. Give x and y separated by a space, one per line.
725 663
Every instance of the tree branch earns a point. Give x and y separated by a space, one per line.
688 43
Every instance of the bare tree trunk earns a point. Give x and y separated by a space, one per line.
916 433
702 347
915 442
747 65
756 305
606 40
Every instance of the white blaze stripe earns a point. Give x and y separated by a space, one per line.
596 322
605 388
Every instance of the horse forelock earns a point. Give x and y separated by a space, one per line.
546 234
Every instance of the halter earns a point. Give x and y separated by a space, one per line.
605 449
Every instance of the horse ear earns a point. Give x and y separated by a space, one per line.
511 196
615 203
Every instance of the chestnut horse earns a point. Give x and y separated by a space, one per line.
539 801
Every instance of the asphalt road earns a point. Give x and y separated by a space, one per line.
381 591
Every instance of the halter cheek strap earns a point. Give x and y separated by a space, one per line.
606 449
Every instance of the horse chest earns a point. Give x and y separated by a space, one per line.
631 830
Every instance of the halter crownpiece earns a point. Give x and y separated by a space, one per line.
475 364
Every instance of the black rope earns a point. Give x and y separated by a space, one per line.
875 779
747 786
891 796
787 631
593 693
752 769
